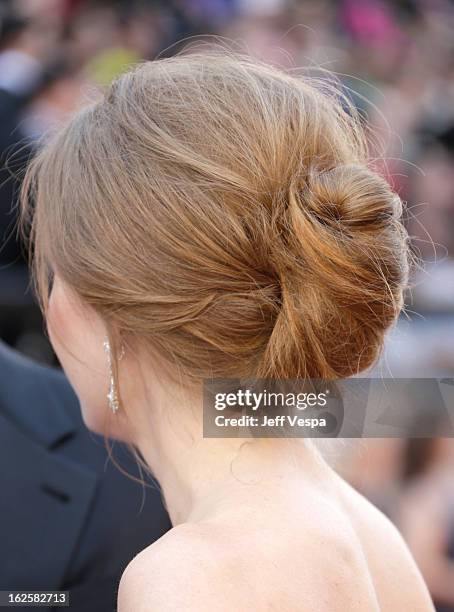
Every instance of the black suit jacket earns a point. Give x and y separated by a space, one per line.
69 519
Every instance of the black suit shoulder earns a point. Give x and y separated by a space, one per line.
98 519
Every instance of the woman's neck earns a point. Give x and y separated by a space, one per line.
201 477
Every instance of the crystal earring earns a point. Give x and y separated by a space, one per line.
112 396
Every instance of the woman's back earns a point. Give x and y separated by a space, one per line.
298 546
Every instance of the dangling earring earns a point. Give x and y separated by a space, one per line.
112 396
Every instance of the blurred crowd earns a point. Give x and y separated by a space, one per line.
395 59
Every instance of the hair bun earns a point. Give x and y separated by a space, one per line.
342 261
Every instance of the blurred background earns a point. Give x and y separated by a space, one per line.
396 61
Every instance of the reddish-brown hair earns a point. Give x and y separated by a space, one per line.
222 212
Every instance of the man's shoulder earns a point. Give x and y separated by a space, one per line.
37 398
13 362
107 517
23 373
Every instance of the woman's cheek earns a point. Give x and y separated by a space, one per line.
60 317
77 336
75 345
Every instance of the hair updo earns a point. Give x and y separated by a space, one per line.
222 211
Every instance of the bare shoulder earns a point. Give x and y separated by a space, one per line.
326 556
395 573
177 572
202 567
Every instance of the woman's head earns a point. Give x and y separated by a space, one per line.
220 214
